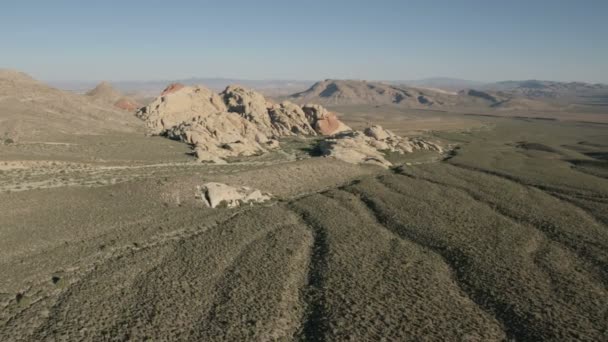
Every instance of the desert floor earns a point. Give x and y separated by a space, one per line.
506 237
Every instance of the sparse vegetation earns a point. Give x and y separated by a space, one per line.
477 243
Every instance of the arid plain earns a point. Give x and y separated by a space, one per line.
501 234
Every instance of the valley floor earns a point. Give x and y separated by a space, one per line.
506 239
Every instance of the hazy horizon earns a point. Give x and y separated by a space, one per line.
311 81
388 41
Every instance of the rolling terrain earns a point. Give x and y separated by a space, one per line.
544 99
504 239
354 92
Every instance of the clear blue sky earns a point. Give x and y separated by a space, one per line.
383 40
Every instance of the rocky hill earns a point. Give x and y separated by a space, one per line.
235 122
241 122
354 92
33 111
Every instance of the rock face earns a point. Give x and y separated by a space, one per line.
221 135
366 147
218 194
275 120
236 122
249 104
289 119
178 106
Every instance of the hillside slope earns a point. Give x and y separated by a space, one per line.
33 111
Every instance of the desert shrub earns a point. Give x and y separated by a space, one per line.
9 141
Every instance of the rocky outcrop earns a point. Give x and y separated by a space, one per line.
249 104
353 147
289 119
275 120
383 139
221 135
236 122
180 106
218 194
323 122
368 147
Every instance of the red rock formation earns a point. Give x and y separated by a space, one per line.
171 88
328 125
127 104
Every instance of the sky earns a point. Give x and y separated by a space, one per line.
487 40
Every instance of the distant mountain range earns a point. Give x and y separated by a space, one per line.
431 92
153 88
560 92
444 83
356 92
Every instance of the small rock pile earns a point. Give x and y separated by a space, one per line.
218 194
367 146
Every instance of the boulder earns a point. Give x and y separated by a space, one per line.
217 194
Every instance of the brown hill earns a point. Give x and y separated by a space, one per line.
353 92
33 111
104 92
